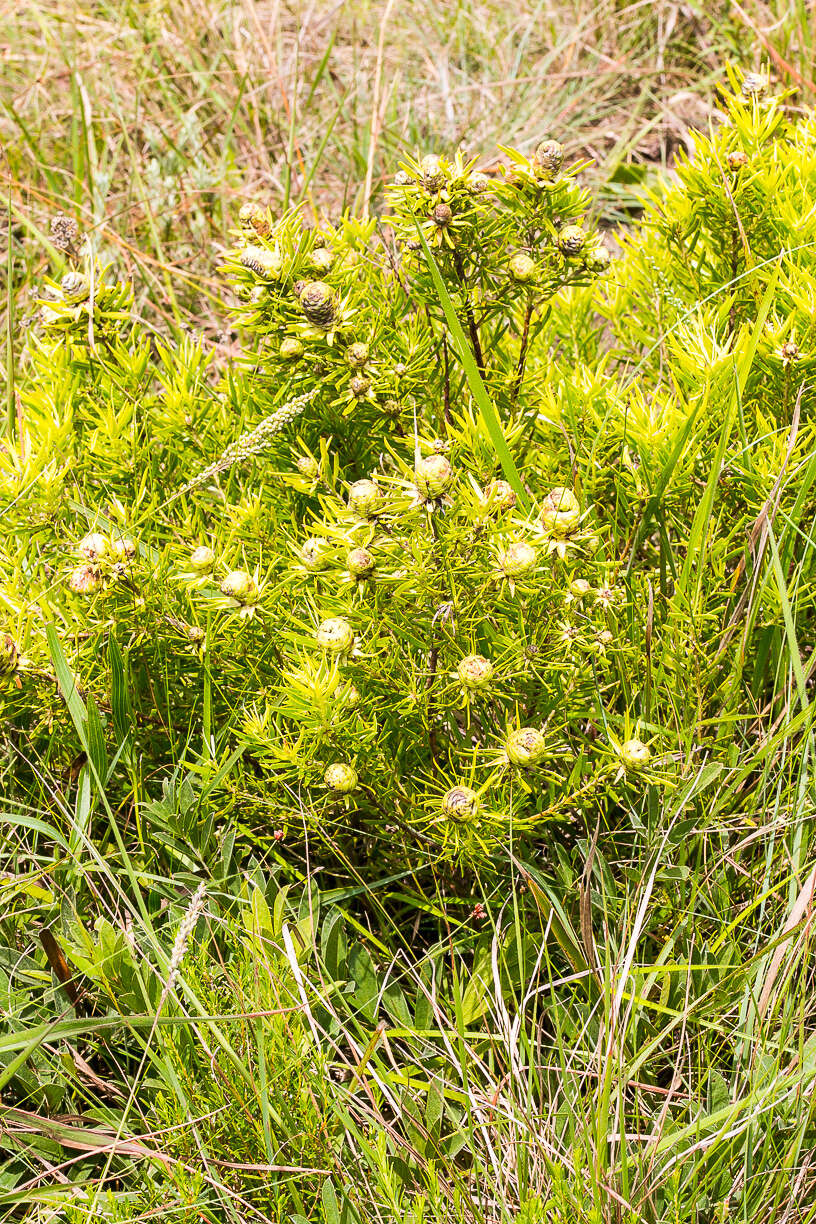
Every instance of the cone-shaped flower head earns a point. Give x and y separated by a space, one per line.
525 746
341 778
319 303
239 585
433 477
561 512
475 672
460 803
335 635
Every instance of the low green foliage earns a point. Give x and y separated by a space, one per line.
455 636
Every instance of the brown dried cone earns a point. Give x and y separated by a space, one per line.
64 233
571 240
548 159
359 385
433 176
319 304
253 217
75 288
442 216
754 85
9 655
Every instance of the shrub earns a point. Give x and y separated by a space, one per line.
484 569
399 601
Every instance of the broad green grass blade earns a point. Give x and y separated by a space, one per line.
477 388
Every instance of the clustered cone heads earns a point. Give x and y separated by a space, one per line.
342 342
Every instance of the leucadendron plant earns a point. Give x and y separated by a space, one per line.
424 562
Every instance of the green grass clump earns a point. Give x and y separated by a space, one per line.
408 733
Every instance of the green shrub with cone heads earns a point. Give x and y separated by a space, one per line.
379 584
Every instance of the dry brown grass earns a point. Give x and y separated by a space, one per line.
149 120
